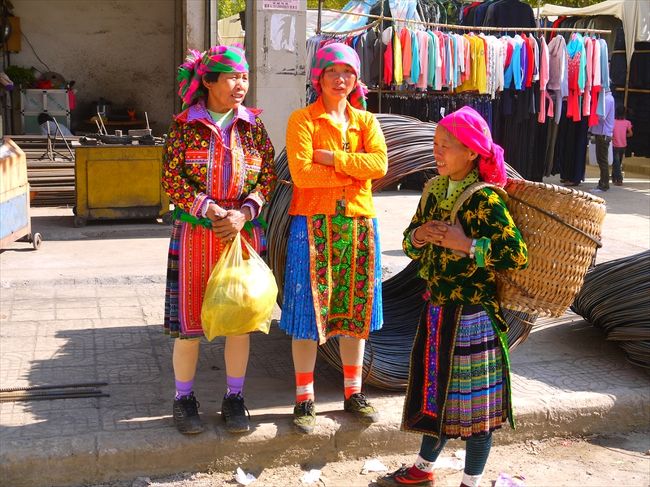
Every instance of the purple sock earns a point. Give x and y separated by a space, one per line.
183 388
234 385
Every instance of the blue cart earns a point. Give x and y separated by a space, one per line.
15 221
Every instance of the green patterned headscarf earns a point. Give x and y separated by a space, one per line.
217 59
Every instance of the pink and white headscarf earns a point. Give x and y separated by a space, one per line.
338 53
467 125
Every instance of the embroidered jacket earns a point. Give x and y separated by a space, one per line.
201 162
195 144
452 278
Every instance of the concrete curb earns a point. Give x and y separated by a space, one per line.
94 458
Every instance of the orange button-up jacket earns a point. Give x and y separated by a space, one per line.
317 187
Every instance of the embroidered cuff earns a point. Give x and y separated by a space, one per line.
198 204
256 202
204 209
252 207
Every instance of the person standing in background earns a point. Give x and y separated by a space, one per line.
603 132
622 130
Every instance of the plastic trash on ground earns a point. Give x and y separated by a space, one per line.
506 480
244 478
373 465
311 477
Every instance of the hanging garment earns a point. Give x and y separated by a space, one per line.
544 76
423 48
575 51
405 43
398 70
509 13
589 72
596 84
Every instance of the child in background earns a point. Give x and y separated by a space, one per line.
622 130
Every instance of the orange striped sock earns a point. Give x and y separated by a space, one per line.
304 386
352 379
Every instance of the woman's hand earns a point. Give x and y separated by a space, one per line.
227 227
324 157
444 234
215 212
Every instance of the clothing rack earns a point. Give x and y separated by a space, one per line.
379 20
467 27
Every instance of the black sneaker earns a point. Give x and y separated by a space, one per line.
235 414
304 416
186 415
358 405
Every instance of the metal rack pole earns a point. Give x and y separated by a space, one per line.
381 58
319 19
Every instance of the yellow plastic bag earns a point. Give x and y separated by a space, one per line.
240 295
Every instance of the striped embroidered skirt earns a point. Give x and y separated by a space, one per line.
298 315
477 396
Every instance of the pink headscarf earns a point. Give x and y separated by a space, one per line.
467 125
338 53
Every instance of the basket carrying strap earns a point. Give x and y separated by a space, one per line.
469 191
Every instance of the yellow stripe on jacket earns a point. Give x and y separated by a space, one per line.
317 188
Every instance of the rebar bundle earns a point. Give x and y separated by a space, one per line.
616 298
386 360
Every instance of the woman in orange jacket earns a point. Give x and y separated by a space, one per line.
332 284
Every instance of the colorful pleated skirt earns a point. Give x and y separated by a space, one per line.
298 312
477 396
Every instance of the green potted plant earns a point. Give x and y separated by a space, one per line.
21 77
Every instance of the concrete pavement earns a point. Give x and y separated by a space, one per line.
87 307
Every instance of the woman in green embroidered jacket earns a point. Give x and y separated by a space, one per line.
459 382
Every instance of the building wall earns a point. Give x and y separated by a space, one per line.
122 50
275 49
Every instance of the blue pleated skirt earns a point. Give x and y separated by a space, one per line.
298 316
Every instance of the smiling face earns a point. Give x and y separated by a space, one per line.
227 92
337 81
453 159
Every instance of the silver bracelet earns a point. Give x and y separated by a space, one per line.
472 249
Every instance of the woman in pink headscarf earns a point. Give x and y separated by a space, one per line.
332 283
459 382
218 171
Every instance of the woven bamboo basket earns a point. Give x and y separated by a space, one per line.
562 229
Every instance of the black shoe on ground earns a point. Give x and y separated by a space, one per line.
304 416
186 415
358 405
235 414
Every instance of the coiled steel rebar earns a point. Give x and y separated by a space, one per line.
386 361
